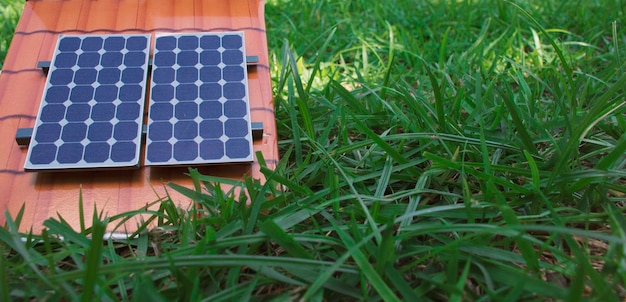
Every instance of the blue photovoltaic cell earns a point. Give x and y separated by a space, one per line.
92 108
199 109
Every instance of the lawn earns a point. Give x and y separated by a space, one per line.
10 11
430 150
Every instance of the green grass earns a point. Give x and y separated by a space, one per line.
433 150
10 11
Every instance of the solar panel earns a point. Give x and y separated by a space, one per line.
92 107
199 111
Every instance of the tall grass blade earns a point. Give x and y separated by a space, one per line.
566 66
303 96
318 60
368 270
389 61
31 259
93 258
439 100
276 233
4 271
81 210
386 253
520 128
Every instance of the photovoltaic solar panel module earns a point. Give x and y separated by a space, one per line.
91 111
199 108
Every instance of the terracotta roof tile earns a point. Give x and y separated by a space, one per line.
21 86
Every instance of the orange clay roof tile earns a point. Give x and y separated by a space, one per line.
21 86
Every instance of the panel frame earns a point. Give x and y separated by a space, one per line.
199 101
82 165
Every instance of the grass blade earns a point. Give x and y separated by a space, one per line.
287 242
368 270
93 258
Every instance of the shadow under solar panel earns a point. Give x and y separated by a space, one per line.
91 112
199 108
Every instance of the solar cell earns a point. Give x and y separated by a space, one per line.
199 109
90 113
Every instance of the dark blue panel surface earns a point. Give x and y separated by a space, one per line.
199 110
235 108
162 93
69 44
233 74
212 74
185 150
235 127
111 59
125 131
81 94
74 132
70 153
53 113
109 75
210 57
232 57
210 109
133 75
159 151
186 92
161 131
185 130
165 59
134 58
91 111
65 60
85 76
237 147
131 93
186 110
47 133
232 42
61 76
187 58
161 112
97 152
57 94
138 43
128 111
114 44
99 131
103 112
124 151
212 149
211 129
187 75
163 75
92 44
188 42
210 91
43 154
77 112
88 59
106 93
209 42
165 43
234 90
